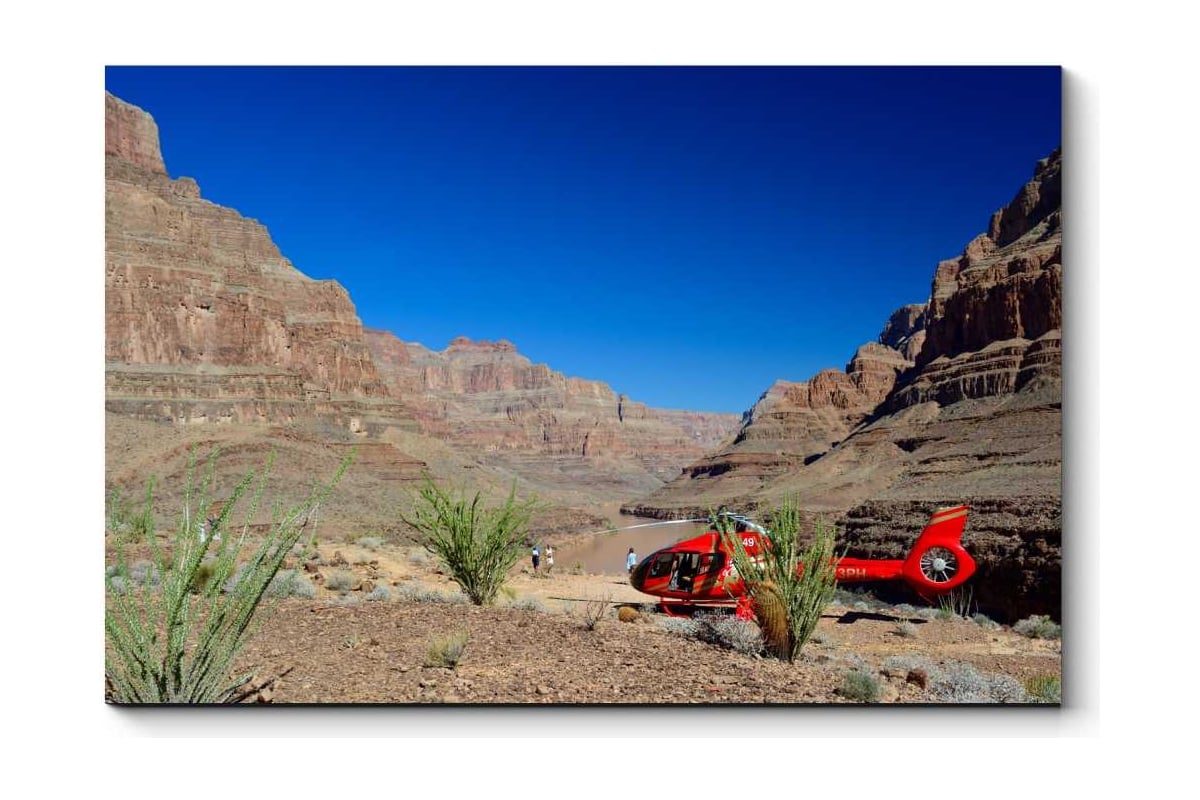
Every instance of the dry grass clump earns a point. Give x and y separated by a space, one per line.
1039 626
860 686
339 581
529 603
1044 689
369 542
447 651
380 593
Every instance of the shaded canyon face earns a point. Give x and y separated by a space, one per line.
959 401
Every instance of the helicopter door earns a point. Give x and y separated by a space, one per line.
685 572
706 573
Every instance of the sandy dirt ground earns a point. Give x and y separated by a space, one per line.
536 646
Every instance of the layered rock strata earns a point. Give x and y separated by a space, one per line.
204 317
972 412
490 398
207 323
792 425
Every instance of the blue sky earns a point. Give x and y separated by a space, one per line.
687 235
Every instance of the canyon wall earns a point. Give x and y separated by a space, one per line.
206 322
959 401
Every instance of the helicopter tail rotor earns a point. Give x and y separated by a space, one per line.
938 563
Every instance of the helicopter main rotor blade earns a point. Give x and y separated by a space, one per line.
647 525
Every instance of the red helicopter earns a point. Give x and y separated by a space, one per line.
698 572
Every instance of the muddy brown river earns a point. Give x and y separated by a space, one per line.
604 552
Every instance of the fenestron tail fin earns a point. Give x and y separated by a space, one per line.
938 562
945 523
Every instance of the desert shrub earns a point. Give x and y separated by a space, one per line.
912 669
369 542
906 609
418 558
906 630
855 661
290 583
788 588
476 544
380 593
945 614
1044 689
176 643
126 523
529 603
628 614
418 594
446 651
730 633
593 611
678 625
962 683
861 686
339 581
983 621
903 664
1039 626
144 573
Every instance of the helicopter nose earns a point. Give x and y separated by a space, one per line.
637 577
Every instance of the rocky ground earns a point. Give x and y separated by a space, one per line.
535 646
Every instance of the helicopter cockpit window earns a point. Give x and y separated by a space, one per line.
710 562
661 565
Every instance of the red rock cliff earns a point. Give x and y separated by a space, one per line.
190 286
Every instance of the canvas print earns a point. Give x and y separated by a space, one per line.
583 385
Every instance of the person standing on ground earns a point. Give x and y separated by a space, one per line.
630 560
549 559
537 558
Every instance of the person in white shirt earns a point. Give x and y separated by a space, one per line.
630 560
